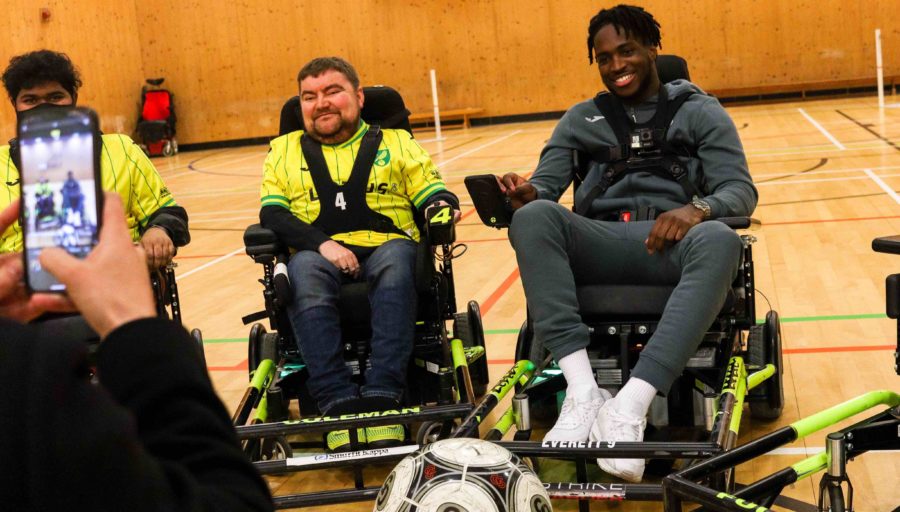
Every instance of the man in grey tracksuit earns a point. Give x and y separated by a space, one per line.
557 248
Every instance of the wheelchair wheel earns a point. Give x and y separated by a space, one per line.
764 347
198 338
467 326
261 345
168 149
275 448
429 432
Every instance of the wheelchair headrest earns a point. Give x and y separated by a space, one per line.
383 106
671 67
156 81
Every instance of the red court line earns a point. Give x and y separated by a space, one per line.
240 366
822 221
470 212
489 303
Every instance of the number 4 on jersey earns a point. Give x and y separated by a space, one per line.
339 201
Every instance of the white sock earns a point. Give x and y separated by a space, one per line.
576 368
635 397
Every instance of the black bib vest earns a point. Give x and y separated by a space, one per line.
343 208
641 146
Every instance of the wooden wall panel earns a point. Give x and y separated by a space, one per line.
232 64
98 35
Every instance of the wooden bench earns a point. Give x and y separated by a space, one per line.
452 114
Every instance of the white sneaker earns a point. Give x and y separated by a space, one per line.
612 425
577 415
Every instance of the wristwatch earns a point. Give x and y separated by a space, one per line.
703 206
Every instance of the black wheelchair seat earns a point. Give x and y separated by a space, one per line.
630 300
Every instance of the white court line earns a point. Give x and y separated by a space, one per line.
825 171
797 451
884 186
229 192
211 263
217 165
822 129
820 180
479 148
223 219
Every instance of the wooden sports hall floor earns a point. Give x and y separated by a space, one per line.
827 172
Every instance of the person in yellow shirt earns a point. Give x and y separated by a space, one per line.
44 79
344 196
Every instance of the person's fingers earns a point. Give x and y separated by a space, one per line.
510 181
671 232
142 254
115 229
11 272
60 264
500 183
168 253
9 215
51 302
150 251
651 240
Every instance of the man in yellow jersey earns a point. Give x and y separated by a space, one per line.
44 79
344 194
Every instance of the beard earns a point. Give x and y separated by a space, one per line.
332 130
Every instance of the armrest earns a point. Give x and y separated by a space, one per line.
259 240
740 222
888 244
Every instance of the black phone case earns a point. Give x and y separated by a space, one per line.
94 125
491 204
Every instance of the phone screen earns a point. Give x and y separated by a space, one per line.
59 191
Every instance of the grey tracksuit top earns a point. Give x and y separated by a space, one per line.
701 122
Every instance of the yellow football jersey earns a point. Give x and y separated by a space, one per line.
402 177
124 168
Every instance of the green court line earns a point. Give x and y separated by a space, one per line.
829 318
787 319
225 340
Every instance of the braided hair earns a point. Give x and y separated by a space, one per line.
635 21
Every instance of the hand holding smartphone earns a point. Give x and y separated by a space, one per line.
61 190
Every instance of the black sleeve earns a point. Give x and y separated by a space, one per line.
290 230
174 220
152 436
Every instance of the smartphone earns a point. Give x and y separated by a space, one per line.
491 204
61 196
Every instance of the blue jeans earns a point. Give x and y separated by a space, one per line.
316 284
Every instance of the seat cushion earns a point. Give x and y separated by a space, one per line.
628 300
